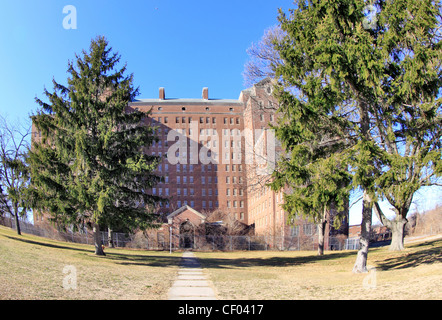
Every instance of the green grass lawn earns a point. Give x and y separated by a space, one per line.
32 268
415 273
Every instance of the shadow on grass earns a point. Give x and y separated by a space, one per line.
118 258
272 261
426 253
147 260
46 244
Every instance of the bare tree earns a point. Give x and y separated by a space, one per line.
263 57
14 174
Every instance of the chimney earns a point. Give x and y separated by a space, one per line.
162 94
206 93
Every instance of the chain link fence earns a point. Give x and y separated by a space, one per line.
197 242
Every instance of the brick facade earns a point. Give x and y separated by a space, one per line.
207 144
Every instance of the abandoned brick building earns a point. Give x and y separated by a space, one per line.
218 153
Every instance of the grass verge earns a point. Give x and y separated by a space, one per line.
415 273
34 268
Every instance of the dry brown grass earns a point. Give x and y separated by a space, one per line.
415 273
32 268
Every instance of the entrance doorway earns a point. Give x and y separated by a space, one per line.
187 235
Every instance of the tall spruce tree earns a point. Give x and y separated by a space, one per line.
90 167
361 79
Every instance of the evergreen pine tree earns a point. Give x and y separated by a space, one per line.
369 84
90 167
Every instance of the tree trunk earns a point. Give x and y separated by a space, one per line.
396 226
321 234
17 224
321 237
17 221
360 265
397 230
109 238
97 240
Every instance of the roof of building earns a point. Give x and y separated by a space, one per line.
182 209
184 102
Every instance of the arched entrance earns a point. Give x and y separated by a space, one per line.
187 235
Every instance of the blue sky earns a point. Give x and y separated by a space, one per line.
180 45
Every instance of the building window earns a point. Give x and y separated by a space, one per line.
294 231
177 120
201 119
241 216
308 229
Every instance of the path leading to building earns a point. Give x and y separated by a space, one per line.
191 283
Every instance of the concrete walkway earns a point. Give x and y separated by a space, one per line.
191 283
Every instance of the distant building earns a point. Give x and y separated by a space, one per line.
215 156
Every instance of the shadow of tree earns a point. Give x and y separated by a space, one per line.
47 244
424 255
147 260
270 262
119 258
